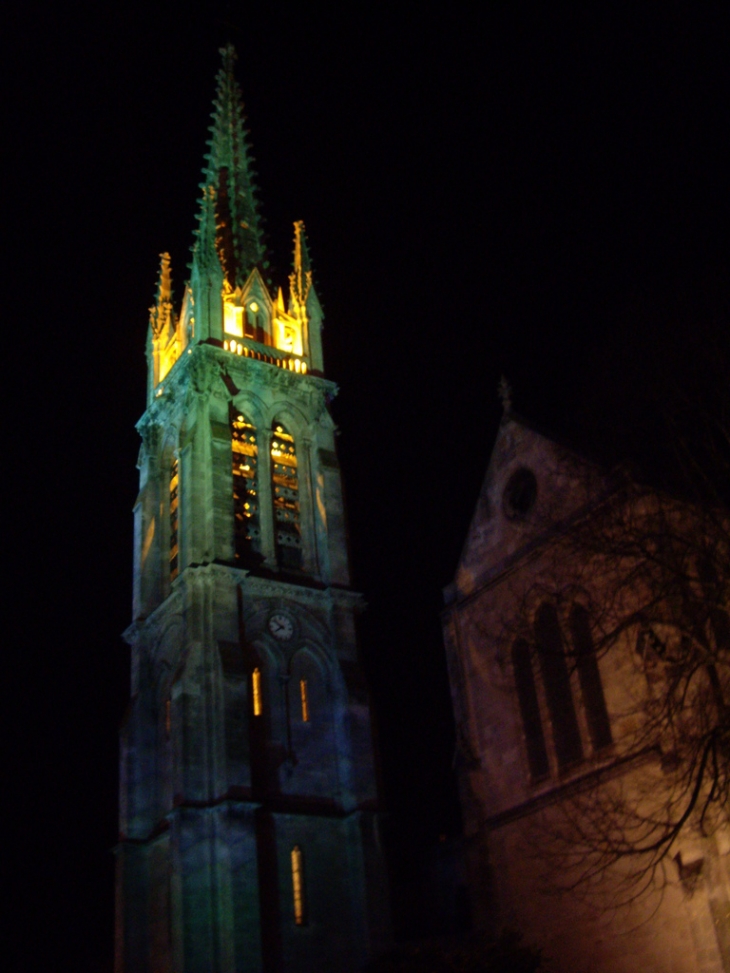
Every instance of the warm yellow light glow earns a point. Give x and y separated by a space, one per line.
233 319
305 700
288 334
297 879
256 685
168 357
254 306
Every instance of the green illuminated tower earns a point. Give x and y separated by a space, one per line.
248 820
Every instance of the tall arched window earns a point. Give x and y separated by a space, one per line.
589 675
556 680
244 457
537 758
285 492
174 518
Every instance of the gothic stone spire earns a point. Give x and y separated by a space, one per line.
229 229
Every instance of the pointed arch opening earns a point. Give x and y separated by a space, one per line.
589 676
537 757
285 494
244 465
556 679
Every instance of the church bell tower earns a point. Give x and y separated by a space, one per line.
248 814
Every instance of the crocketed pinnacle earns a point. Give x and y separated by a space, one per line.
229 222
300 280
161 310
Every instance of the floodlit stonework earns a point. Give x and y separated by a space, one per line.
248 818
548 718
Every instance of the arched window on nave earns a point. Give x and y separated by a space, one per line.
589 676
556 680
537 758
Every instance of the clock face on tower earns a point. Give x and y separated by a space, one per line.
281 627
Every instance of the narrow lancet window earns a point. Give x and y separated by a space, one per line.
599 725
537 758
168 717
297 880
305 700
556 679
174 518
244 456
285 490
256 692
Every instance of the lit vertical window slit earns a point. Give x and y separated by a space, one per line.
305 700
174 498
297 878
256 687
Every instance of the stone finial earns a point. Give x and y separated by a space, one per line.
504 390
300 280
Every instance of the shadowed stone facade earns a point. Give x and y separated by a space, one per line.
248 807
542 734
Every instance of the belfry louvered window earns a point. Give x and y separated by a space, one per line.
285 494
244 458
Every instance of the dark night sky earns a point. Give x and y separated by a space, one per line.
538 194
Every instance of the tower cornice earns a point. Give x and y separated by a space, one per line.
205 365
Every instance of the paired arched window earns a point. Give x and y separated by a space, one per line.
284 493
555 678
285 496
244 461
537 757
